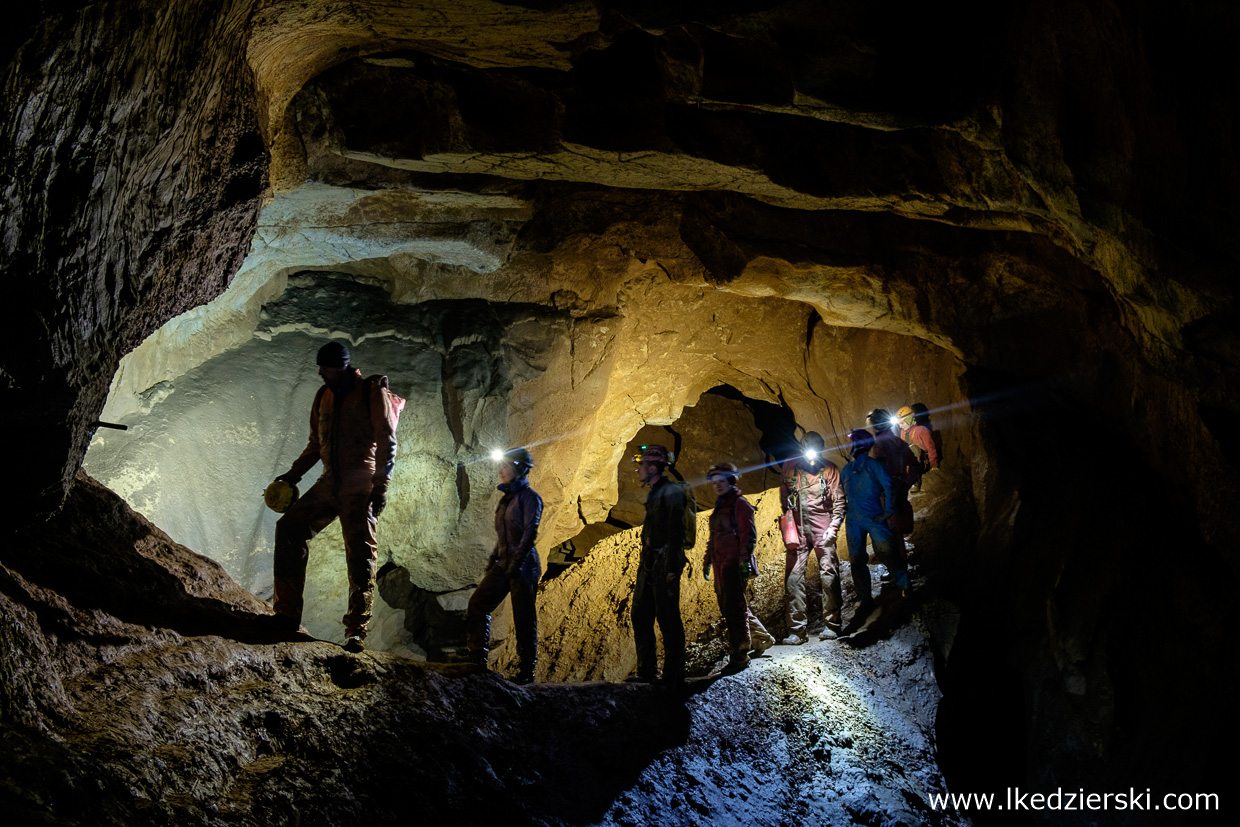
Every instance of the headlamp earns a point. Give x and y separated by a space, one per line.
497 455
811 454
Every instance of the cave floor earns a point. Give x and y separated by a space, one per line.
829 732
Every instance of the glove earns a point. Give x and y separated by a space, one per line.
378 501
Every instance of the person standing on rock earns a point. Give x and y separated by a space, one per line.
868 488
901 465
656 594
353 432
809 490
730 556
514 568
920 442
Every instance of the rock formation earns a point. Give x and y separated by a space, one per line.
561 224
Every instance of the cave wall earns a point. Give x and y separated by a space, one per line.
480 375
1045 194
134 169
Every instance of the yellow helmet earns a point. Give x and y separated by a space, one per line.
280 495
903 412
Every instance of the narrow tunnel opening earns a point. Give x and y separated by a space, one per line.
723 426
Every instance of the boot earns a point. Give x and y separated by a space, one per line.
478 659
761 640
525 676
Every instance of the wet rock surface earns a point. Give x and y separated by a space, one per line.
818 734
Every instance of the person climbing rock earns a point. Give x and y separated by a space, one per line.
809 490
353 432
656 594
730 556
513 570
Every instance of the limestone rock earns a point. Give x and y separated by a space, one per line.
104 556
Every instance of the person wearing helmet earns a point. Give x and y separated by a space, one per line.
901 464
656 594
514 568
868 488
809 490
353 433
731 544
919 440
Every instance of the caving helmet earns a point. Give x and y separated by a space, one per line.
280 495
655 453
723 469
859 441
813 446
521 460
880 419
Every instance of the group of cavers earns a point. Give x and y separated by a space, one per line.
353 433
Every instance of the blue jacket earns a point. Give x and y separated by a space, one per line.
867 487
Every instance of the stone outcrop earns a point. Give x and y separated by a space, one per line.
1024 213
108 719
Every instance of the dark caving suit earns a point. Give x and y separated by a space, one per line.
733 539
901 465
656 594
812 493
868 487
514 570
354 433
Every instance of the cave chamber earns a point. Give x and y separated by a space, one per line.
581 228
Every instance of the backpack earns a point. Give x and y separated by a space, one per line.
397 402
690 512
923 458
